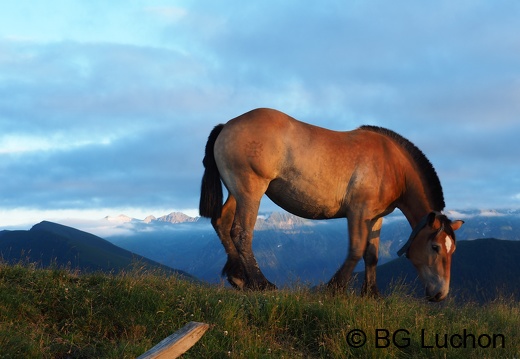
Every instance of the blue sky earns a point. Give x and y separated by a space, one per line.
105 106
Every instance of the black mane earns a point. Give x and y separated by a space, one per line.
435 195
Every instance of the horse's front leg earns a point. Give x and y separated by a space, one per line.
370 257
358 233
242 235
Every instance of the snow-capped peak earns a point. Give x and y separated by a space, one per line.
149 219
176 217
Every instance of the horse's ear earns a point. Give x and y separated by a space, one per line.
456 224
433 221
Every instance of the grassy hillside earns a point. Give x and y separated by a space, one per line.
55 313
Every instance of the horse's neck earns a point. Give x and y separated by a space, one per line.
414 207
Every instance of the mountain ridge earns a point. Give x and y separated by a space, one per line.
172 217
482 270
48 243
285 220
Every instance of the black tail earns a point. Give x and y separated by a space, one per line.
210 204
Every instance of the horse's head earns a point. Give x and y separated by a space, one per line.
430 248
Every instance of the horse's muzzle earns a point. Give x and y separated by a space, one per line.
440 296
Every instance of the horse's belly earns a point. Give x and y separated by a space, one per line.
306 203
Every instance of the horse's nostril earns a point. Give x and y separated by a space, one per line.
435 298
438 297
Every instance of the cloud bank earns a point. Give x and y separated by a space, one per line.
116 114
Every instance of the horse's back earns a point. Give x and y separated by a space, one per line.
269 126
271 133
270 138
261 121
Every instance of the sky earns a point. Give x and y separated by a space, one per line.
105 106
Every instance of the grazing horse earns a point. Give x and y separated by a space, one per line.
317 173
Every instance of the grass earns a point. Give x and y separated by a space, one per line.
58 313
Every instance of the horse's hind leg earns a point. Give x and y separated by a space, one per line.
233 269
370 257
242 235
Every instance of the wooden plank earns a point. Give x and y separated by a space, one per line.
177 343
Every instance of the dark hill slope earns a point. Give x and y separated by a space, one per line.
50 243
482 270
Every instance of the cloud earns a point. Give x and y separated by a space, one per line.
118 115
100 126
147 170
167 13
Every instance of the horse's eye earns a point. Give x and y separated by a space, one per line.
436 248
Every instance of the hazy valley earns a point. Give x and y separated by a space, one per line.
288 248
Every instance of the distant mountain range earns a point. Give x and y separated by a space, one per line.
503 224
172 218
289 249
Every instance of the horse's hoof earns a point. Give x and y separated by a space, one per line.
335 288
320 288
266 286
270 286
262 286
236 283
371 294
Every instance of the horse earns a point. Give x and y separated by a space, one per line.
312 172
